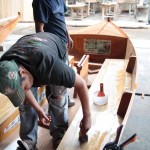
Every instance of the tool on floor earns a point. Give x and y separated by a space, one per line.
100 98
114 145
22 145
142 94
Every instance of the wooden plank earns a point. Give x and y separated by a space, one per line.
131 64
124 103
7 27
104 118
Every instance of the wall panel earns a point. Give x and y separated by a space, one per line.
12 7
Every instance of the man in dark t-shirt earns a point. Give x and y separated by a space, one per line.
36 60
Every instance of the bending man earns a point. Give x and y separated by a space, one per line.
36 60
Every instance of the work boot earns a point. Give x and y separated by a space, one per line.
24 146
56 143
58 135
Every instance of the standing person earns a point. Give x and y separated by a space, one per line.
49 17
36 60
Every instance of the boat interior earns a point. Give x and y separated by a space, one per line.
102 54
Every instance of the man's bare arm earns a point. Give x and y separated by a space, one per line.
70 41
29 97
39 26
84 98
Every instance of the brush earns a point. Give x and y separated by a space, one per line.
99 96
101 92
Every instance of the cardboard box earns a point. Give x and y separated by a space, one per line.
9 115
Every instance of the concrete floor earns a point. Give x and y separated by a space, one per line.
124 20
139 37
138 121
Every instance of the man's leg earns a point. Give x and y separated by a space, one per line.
58 110
28 125
70 102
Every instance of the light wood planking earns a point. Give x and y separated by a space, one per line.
104 118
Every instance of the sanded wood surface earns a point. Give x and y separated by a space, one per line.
104 118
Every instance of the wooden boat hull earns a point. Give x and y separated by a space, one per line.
7 25
108 45
114 43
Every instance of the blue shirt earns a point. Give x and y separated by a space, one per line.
51 13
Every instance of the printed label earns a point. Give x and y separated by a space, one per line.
94 46
12 124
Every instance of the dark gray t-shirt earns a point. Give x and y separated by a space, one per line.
44 56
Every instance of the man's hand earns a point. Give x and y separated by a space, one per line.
43 118
85 124
70 42
32 101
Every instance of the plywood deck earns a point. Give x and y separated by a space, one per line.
104 118
102 129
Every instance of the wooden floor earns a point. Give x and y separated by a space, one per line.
44 138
